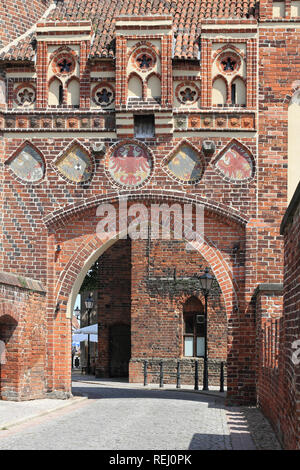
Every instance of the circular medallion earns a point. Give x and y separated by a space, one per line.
103 95
143 59
63 64
228 62
129 164
24 94
187 93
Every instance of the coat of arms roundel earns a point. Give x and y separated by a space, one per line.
130 164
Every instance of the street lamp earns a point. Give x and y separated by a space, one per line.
77 316
89 303
77 312
205 280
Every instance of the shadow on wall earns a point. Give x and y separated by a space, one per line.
7 328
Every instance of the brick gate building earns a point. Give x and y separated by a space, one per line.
187 104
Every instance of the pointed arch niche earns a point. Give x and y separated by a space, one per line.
73 92
219 92
238 92
55 94
154 86
135 86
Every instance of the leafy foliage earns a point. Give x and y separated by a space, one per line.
90 281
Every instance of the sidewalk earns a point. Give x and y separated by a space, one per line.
17 412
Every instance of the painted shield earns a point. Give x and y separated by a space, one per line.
235 163
186 164
130 164
76 165
28 165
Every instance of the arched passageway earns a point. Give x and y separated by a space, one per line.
153 305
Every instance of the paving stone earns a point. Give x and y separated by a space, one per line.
122 417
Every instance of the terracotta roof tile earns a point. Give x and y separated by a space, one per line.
187 15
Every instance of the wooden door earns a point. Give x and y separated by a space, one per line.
120 350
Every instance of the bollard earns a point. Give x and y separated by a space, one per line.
205 375
161 375
196 376
145 373
222 377
178 384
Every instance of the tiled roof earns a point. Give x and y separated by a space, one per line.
187 16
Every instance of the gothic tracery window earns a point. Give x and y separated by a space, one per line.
144 61
64 65
228 64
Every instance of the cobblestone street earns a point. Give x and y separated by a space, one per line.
121 417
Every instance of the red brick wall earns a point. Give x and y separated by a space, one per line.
268 344
290 369
275 88
23 329
157 322
277 389
54 193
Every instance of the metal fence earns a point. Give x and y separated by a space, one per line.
179 373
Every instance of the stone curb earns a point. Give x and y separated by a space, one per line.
67 403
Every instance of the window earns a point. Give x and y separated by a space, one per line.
233 93
60 95
144 126
193 334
